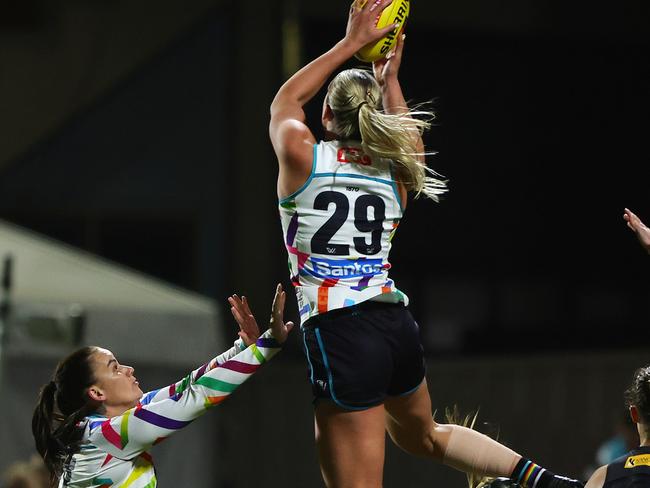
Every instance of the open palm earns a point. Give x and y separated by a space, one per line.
249 331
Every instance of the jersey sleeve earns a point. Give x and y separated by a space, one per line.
162 412
170 391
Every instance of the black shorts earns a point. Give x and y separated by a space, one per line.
359 355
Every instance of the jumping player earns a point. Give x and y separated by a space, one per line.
94 427
340 203
633 469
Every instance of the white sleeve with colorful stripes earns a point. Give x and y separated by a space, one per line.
162 412
162 393
236 348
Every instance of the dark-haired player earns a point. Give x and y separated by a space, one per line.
633 469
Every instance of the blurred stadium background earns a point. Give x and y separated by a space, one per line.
137 190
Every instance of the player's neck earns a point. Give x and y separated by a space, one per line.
644 434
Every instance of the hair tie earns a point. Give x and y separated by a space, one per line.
365 102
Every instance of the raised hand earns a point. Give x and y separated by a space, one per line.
388 67
248 329
640 229
362 22
279 328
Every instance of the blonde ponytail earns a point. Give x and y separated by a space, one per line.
355 99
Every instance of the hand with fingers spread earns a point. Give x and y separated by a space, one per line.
388 67
279 328
640 229
248 328
362 22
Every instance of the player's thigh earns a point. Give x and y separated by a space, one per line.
350 445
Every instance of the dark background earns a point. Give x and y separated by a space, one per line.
541 139
541 115
139 132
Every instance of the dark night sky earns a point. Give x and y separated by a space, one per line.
542 139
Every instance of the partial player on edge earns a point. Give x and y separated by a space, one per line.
633 469
639 228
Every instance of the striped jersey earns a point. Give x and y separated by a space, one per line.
114 451
338 229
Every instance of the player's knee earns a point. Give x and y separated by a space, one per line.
439 436
418 441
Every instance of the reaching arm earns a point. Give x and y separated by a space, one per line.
155 419
290 136
640 229
165 411
248 333
386 72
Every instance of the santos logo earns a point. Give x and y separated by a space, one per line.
343 268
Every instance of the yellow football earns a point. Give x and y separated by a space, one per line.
398 11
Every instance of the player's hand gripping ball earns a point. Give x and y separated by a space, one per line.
396 12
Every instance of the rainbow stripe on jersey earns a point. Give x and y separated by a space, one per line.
338 229
114 451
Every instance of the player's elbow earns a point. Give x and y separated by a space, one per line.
280 102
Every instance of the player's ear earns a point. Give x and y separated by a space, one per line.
327 114
96 394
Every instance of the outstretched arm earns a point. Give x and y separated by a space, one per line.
640 229
386 73
291 138
170 409
248 333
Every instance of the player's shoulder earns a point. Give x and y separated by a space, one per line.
293 143
597 479
94 422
